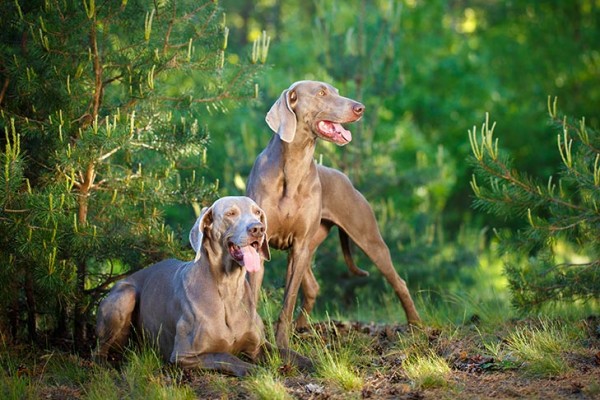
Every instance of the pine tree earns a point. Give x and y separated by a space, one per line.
99 106
556 254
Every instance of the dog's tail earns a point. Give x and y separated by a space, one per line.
345 242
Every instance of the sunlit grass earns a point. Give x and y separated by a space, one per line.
143 377
336 368
570 311
266 386
541 348
335 361
530 347
427 371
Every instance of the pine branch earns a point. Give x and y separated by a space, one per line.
570 215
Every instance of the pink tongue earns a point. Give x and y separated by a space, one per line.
346 134
251 258
336 132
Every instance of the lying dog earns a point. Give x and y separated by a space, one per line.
199 313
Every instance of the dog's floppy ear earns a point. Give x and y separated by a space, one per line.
265 253
281 117
197 233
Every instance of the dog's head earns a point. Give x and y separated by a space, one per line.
320 106
232 231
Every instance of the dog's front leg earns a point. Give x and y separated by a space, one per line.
287 356
190 351
298 263
222 362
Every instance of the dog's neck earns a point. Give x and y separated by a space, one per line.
221 268
296 158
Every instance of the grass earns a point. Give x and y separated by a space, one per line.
335 360
103 385
17 387
143 377
427 371
349 361
266 386
541 349
337 369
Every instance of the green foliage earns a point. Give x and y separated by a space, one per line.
555 255
101 121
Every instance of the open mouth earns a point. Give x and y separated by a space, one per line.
334 132
246 256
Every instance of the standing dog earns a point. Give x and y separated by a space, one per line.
199 313
285 182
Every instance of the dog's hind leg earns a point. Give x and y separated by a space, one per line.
114 319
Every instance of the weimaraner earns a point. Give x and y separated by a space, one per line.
286 182
199 313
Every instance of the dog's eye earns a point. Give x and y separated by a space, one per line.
257 212
231 213
322 92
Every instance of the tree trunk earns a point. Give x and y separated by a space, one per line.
60 330
30 298
79 316
13 317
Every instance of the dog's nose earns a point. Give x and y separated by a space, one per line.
358 109
256 229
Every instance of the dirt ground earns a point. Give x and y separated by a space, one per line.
474 375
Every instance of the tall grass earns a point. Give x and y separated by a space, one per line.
15 387
103 385
541 349
534 347
427 371
142 377
336 361
65 369
266 386
15 383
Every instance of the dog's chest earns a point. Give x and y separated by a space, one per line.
238 332
291 218
286 229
